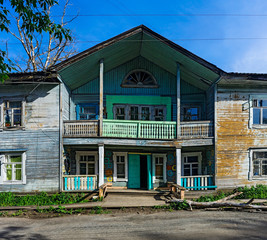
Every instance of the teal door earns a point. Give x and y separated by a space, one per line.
149 173
134 171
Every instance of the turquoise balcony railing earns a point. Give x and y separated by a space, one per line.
138 129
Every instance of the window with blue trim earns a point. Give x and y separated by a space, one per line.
87 111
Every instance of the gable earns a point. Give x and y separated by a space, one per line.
140 41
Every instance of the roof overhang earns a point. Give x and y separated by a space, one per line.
49 77
140 41
243 80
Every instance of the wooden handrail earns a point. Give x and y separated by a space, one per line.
175 188
103 190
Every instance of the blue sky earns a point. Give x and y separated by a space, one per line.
229 55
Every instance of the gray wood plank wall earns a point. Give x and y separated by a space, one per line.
40 137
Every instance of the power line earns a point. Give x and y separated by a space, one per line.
165 15
155 40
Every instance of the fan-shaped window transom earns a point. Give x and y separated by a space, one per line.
139 79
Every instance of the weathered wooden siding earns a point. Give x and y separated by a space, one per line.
234 138
40 137
65 102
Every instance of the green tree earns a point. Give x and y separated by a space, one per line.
35 19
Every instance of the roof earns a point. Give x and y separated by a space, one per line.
139 41
243 80
32 77
126 34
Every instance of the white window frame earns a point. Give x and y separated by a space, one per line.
251 99
115 177
192 154
164 167
3 169
91 153
251 170
2 114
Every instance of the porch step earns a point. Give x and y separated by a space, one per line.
136 192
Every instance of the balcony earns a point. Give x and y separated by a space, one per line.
139 129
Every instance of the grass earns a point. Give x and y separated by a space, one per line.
257 192
40 199
173 206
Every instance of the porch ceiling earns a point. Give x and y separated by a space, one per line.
84 67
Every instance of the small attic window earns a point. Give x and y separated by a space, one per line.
139 79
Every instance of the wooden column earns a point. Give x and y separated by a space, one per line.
101 164
178 101
101 83
178 165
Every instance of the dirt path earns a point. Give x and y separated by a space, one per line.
159 225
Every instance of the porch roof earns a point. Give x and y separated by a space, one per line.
139 41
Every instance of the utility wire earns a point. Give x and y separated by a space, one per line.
165 15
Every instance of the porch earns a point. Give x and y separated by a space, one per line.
87 183
166 130
87 167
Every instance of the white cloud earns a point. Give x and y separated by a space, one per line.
253 60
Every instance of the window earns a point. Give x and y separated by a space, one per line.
138 79
120 166
259 111
159 113
12 114
191 165
190 113
145 113
259 161
139 112
13 168
87 112
86 163
120 113
159 166
134 115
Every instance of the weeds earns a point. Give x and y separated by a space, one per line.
173 206
259 191
41 199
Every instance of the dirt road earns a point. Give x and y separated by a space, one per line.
161 225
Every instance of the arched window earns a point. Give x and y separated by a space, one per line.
139 79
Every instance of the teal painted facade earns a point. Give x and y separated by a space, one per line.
147 100
89 93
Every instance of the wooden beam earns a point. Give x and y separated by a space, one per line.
101 83
101 164
178 166
178 100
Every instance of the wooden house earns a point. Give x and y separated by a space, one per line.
140 113
137 111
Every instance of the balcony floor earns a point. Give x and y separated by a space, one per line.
139 142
